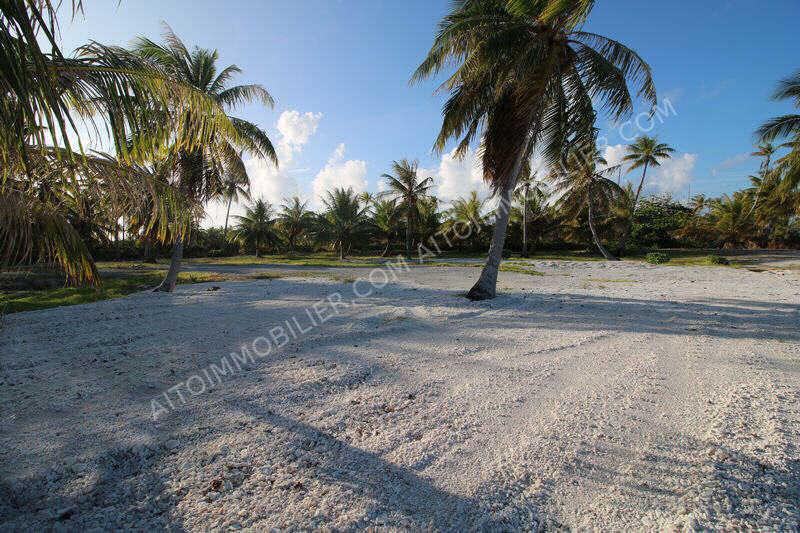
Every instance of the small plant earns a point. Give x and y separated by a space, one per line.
717 260
656 258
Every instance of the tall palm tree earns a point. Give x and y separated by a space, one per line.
235 187
584 181
386 222
526 78
294 220
526 181
44 96
406 187
644 153
344 219
201 170
256 228
765 150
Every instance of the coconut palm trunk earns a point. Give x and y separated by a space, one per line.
408 235
525 222
595 237
486 286
168 285
623 241
227 215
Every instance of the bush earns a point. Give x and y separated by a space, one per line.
717 260
656 258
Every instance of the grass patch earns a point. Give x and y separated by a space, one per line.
116 286
311 260
512 267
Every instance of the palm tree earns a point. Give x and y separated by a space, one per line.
406 187
201 170
43 96
235 187
730 217
584 181
344 219
294 220
386 222
644 153
526 78
765 150
526 181
785 125
256 228
467 219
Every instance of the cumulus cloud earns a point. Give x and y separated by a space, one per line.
296 128
267 181
339 173
674 175
458 177
614 154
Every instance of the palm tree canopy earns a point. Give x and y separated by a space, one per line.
785 125
525 74
344 217
585 176
223 155
257 226
406 186
647 151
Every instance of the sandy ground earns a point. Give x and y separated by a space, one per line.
597 395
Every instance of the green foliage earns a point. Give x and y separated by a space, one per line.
657 258
256 230
717 260
656 220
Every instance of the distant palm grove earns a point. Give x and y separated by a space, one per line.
528 85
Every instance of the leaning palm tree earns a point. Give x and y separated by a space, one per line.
646 152
256 228
526 77
343 221
407 188
45 98
202 169
294 221
584 181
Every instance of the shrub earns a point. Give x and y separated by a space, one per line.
656 258
717 260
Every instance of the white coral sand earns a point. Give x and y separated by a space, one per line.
597 395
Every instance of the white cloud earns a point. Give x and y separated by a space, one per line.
614 154
339 173
674 174
267 181
458 177
731 162
296 128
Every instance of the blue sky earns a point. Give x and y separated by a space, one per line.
339 71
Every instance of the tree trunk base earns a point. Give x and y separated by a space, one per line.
164 287
479 293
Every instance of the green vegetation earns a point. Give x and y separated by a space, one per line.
169 112
12 301
657 258
717 260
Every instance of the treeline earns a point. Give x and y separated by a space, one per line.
168 112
